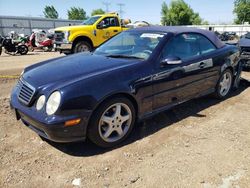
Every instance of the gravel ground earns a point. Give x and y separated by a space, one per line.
201 143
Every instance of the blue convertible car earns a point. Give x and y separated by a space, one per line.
132 76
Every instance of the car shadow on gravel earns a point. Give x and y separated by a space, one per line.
151 125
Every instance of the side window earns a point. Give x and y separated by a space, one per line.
114 22
205 45
184 46
110 22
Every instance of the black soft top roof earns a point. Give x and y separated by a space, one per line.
182 29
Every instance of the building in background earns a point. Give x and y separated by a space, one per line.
25 25
238 29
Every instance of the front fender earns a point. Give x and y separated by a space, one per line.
77 34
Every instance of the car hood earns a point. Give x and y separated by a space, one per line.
73 67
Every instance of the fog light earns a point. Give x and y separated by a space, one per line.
72 122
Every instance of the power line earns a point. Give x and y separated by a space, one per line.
106 4
121 5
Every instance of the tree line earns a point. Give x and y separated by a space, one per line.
177 13
180 13
74 13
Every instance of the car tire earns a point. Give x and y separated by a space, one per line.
49 49
224 84
82 46
112 122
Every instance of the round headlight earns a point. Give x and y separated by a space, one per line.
53 103
66 35
40 102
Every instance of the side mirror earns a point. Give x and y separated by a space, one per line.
171 61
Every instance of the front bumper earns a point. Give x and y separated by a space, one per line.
50 128
56 132
63 47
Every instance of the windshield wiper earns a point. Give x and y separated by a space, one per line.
123 56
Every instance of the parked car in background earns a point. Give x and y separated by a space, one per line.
86 37
134 75
226 36
244 45
138 24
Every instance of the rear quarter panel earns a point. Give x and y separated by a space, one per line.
231 57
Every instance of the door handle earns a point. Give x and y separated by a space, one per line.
155 76
115 30
202 65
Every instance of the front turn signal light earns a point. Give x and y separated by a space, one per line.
72 122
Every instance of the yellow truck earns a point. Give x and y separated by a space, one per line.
86 37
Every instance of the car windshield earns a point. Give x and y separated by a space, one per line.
128 44
91 20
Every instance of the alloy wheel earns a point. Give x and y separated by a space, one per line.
115 122
83 48
225 83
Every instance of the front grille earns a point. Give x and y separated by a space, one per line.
59 36
26 91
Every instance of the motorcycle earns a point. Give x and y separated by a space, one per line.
39 40
23 39
11 47
18 38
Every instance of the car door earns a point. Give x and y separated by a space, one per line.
107 28
114 26
181 71
210 54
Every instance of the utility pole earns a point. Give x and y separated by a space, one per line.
106 4
121 5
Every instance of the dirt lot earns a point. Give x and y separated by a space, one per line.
202 143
